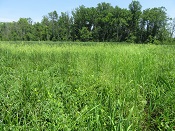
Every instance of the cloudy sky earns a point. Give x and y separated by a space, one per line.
12 10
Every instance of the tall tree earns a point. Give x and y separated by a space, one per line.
38 32
172 28
135 8
81 18
64 27
154 21
53 18
24 28
103 22
45 25
120 24
5 31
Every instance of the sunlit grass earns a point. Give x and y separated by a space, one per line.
100 86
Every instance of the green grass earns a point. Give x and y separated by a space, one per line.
90 86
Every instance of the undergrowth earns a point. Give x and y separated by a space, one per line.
99 86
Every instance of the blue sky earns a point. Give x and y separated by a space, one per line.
12 10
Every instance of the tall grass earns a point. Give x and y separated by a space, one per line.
100 86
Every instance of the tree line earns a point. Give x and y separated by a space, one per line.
103 23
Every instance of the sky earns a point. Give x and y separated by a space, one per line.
12 10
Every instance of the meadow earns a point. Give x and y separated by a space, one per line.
87 86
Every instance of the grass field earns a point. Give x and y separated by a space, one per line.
85 87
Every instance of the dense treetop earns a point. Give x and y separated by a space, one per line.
101 23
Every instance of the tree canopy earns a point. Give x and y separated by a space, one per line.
101 23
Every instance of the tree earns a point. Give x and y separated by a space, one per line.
85 34
45 25
172 28
154 22
5 31
14 32
103 22
64 27
120 24
24 28
38 31
81 18
135 8
53 25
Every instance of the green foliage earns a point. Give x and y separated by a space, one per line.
157 42
101 23
131 39
154 22
85 34
64 24
86 86
135 9
53 25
